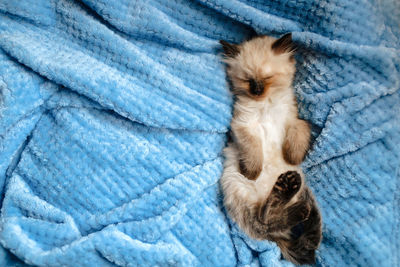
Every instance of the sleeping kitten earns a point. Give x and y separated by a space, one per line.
263 185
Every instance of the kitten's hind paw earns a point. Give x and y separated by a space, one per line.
299 213
288 184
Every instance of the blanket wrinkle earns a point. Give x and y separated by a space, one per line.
131 211
113 116
124 81
247 14
343 147
134 213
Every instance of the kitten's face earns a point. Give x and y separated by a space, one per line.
260 66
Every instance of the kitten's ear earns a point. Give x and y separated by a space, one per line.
230 50
284 44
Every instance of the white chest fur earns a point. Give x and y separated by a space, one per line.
266 120
271 120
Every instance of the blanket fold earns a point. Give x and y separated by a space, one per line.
114 114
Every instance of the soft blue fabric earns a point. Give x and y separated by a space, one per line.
113 116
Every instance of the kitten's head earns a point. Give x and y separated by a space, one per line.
260 66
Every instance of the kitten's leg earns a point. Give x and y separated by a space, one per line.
287 185
297 141
250 151
271 212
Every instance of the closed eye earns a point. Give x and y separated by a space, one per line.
245 80
268 78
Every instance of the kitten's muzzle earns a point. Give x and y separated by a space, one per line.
256 87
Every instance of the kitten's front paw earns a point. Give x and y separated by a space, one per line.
288 184
297 142
249 173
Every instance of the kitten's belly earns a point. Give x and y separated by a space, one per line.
273 134
274 164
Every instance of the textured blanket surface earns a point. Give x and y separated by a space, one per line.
114 113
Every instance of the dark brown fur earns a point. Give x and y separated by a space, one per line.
283 44
230 50
294 225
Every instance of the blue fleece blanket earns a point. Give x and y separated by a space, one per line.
113 115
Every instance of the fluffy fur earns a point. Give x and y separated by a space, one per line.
264 189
